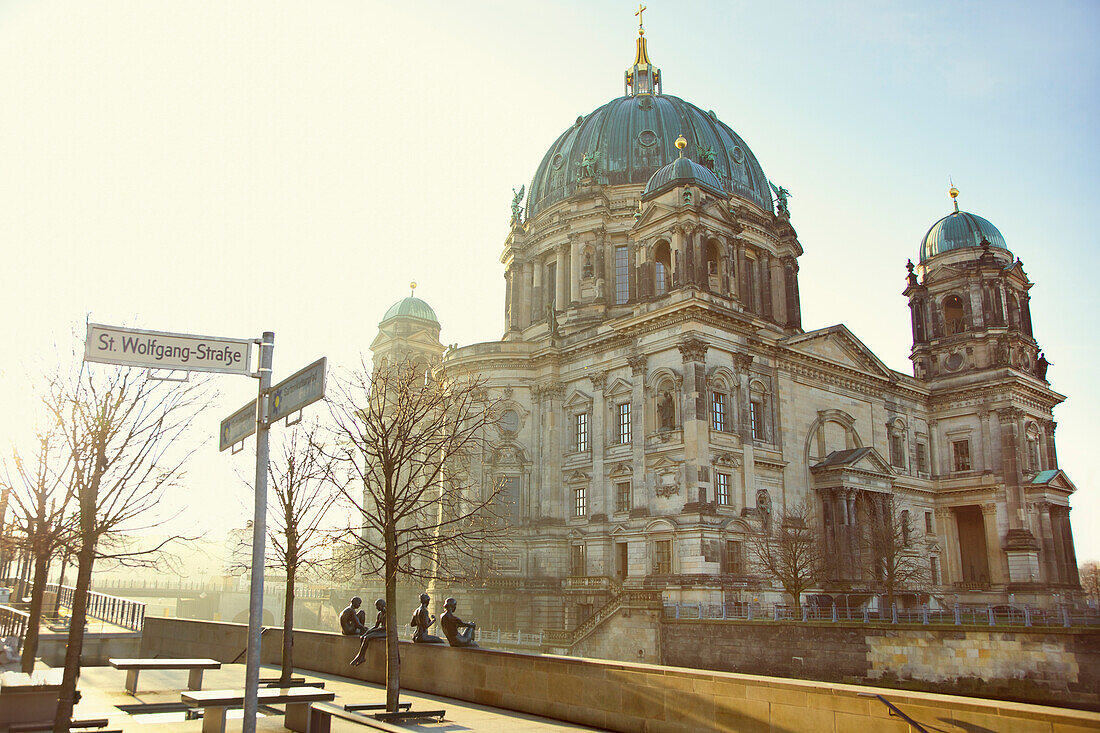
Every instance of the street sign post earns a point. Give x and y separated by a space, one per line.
297 391
164 350
237 426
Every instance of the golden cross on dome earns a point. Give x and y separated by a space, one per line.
641 9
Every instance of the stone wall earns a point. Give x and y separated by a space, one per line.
620 696
1052 666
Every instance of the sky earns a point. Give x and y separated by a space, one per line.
233 168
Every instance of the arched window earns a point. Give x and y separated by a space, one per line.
662 269
714 265
1013 311
954 316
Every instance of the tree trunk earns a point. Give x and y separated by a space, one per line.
393 659
38 591
67 697
288 629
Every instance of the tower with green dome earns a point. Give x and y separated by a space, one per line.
408 331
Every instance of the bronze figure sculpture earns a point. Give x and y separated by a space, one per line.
420 622
457 631
353 620
378 631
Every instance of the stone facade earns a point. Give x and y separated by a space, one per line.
662 401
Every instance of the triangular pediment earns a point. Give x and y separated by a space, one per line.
1055 479
578 399
618 387
840 346
652 213
662 463
866 460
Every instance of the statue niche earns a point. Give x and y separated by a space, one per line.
666 410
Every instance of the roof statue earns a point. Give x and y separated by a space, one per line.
589 164
781 196
517 216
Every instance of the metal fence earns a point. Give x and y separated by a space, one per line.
13 622
114 610
957 615
508 638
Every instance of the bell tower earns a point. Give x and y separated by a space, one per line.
969 302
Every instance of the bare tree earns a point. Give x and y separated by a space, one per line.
41 499
1090 580
890 552
301 479
123 432
403 441
793 556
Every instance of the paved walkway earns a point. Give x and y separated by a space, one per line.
103 696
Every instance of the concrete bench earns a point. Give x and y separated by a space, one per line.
28 699
322 713
134 667
214 703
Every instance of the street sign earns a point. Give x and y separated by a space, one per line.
299 390
237 426
163 350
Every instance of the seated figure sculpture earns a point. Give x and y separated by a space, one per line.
420 622
378 631
457 631
353 620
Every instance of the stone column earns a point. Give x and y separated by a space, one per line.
765 274
790 272
977 312
537 297
527 301
935 454
779 300
561 296
639 483
949 532
1052 452
853 534
693 412
987 446
677 254
993 545
512 297
596 439
1009 425
539 475
574 271
741 365
1046 542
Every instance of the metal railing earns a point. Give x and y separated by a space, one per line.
958 615
508 638
128 614
13 622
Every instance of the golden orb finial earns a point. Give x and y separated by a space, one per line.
412 287
681 143
954 192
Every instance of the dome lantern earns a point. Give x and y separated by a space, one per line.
643 77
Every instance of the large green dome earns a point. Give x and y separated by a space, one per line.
636 135
411 307
959 230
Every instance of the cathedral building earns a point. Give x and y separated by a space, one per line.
662 400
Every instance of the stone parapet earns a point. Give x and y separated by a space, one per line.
621 696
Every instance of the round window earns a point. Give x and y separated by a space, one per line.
738 155
557 161
510 421
647 138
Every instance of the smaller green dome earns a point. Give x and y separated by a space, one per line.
411 307
683 172
959 230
